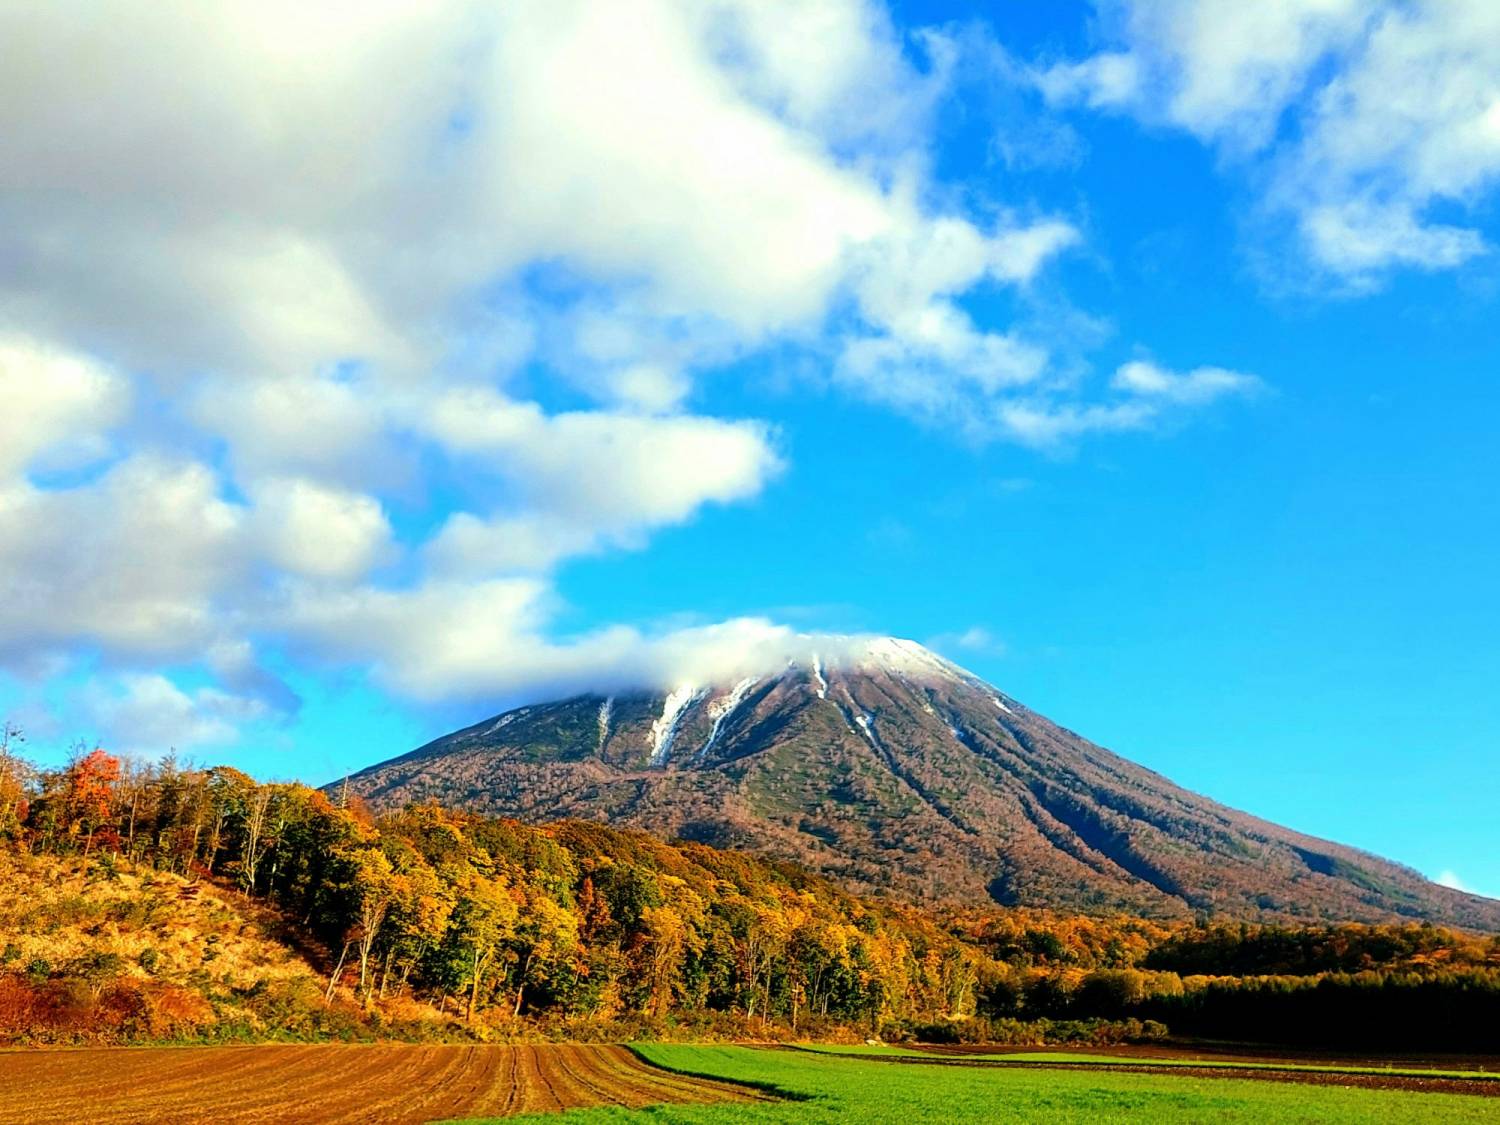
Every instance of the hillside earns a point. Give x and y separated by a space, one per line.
893 770
107 950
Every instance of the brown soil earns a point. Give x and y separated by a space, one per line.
270 1084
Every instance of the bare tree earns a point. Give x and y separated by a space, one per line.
257 807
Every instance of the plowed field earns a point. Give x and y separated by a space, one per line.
381 1083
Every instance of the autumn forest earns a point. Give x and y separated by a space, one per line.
167 901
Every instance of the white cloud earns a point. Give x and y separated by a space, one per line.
1197 387
1043 423
313 426
1225 72
319 532
490 642
1020 253
149 714
55 406
1360 121
1449 878
975 640
330 250
528 542
1355 238
1147 396
938 366
835 69
579 481
134 563
1108 80
690 159
612 467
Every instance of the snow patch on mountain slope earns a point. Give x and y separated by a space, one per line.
664 729
606 710
817 673
1002 706
506 719
904 658
723 707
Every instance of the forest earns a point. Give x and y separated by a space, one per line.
328 921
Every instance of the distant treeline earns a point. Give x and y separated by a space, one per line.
491 920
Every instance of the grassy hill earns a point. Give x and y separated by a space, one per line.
102 950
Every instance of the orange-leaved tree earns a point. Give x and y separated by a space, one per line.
91 782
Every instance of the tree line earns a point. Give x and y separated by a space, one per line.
489 919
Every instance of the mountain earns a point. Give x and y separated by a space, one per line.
894 771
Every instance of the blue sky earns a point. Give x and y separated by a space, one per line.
372 372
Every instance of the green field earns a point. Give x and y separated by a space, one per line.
823 1088
1041 1058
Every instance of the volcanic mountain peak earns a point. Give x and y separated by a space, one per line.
881 764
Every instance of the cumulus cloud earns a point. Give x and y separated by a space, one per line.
582 481
309 425
293 289
134 564
1360 122
149 714
319 532
603 465
704 166
55 406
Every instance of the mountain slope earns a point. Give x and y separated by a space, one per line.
893 770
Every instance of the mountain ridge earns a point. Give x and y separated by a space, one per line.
894 770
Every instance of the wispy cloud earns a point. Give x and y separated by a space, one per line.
1364 127
976 640
1449 878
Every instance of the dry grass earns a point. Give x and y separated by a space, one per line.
104 951
159 926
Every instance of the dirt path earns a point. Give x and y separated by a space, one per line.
271 1084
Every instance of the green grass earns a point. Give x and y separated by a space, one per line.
824 1089
1034 1058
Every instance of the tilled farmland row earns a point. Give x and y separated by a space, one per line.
391 1082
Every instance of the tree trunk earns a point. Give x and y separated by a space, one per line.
521 983
338 971
405 973
474 987
385 972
